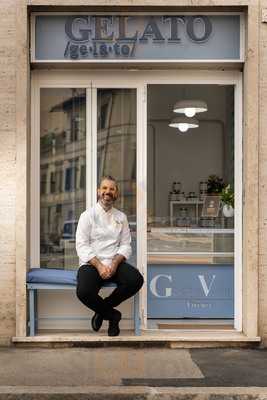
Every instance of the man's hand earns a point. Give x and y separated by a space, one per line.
113 269
117 259
104 271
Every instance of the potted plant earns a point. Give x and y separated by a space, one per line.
215 185
228 200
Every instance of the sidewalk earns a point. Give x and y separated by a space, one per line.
137 373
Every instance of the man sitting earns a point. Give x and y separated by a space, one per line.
103 243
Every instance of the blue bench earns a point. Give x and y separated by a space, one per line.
58 279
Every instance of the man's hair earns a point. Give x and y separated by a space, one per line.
109 178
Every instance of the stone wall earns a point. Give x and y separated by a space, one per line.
7 168
263 176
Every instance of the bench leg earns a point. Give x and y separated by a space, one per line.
32 311
137 321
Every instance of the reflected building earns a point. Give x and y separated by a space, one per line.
63 146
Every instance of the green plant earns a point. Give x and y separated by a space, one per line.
215 184
227 196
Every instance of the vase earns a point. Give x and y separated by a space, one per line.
228 211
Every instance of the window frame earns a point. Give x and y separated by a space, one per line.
91 80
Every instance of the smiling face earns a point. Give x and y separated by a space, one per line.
107 193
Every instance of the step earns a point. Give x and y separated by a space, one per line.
129 393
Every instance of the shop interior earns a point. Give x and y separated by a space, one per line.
180 163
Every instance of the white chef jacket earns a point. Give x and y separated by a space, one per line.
102 234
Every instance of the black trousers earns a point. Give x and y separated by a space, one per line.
89 282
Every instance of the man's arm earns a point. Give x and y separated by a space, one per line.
84 249
115 262
125 248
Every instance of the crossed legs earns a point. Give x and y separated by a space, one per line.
89 282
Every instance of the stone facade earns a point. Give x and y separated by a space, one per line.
262 176
15 150
8 168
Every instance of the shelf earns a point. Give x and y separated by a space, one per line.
190 202
193 230
186 201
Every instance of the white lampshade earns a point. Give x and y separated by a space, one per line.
184 123
190 107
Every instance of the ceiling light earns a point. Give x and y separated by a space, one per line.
190 107
184 123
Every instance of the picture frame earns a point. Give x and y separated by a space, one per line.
211 206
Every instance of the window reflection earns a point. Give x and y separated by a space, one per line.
116 143
116 147
62 174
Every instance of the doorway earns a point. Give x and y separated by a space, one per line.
118 123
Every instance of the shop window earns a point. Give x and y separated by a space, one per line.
190 244
63 153
63 140
116 143
116 148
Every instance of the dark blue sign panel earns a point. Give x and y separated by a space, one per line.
137 37
190 291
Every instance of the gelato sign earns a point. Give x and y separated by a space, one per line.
109 36
135 37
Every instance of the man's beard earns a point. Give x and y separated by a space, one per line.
108 202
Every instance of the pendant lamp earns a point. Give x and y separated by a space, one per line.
184 123
190 107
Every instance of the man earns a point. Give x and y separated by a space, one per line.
103 243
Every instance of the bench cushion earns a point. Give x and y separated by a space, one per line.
56 276
52 275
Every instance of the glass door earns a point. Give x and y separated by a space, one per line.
80 133
116 132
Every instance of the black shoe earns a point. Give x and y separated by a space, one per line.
113 328
96 322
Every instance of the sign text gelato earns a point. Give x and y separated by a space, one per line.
137 37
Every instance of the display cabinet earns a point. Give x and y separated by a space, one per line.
190 273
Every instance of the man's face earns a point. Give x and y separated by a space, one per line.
107 193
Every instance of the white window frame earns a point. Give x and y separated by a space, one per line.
91 80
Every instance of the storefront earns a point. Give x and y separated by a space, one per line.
159 100
127 124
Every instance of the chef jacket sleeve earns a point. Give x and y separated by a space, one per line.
125 248
83 248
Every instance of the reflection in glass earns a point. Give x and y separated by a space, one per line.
116 147
62 174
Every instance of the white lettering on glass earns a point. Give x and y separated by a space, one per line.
153 286
204 285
